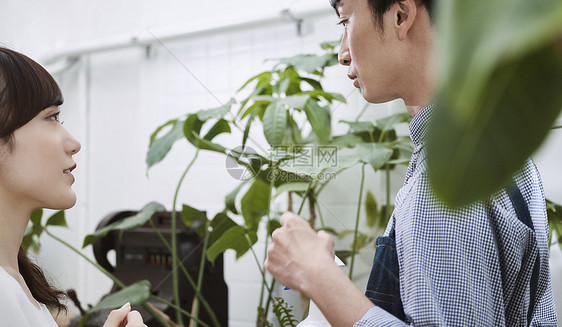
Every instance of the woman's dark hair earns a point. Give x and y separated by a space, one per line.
380 7
26 89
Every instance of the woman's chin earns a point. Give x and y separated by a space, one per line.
63 204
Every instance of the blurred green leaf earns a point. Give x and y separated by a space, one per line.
375 154
319 119
272 225
220 224
137 293
36 216
230 199
221 126
218 112
192 217
274 123
255 203
327 95
389 122
499 93
359 126
307 62
236 238
128 223
57 219
159 147
192 128
554 214
291 187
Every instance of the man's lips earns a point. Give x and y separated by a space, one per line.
354 79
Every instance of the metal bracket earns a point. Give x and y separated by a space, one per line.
287 13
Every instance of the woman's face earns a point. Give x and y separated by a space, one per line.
37 170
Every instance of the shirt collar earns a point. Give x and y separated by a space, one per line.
420 123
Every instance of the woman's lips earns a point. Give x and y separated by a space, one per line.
68 172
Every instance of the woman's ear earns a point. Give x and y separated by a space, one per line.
405 13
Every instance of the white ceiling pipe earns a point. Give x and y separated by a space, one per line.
294 14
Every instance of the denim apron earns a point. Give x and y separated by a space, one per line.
383 287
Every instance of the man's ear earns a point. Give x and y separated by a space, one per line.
404 15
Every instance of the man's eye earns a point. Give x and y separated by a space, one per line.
342 22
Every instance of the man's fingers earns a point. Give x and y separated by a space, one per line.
117 316
134 319
285 216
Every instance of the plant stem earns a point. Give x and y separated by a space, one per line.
320 216
174 249
311 209
201 271
362 111
264 281
353 250
304 197
198 293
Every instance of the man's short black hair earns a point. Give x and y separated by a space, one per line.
380 7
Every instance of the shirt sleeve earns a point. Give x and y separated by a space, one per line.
379 317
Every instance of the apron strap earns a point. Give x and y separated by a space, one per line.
524 215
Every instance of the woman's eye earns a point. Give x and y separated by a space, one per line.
55 117
342 23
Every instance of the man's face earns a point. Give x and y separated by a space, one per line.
373 56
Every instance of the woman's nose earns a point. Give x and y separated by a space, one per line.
72 145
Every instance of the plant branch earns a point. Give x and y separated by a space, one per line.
198 293
201 271
353 250
174 241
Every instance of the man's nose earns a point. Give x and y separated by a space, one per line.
344 56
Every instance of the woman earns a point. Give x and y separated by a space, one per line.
36 167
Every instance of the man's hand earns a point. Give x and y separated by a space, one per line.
298 253
124 317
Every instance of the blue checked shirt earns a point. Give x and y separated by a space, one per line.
469 266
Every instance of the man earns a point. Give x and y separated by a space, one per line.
481 265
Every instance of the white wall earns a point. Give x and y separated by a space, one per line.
115 99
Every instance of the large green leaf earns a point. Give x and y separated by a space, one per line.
159 147
236 238
308 62
291 187
255 203
274 123
57 219
192 128
500 91
137 293
190 215
319 119
128 223
220 224
221 126
218 112
375 154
